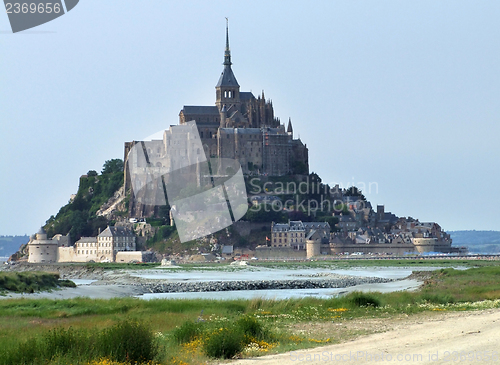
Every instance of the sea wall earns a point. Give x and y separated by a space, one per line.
273 253
210 286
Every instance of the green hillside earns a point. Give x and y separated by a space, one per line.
78 217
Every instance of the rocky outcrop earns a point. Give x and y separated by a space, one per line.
115 203
211 286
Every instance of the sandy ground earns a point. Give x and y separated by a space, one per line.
444 338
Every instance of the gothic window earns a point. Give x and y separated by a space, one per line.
201 134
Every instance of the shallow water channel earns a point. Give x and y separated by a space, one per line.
258 273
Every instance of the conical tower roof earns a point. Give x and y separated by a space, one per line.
227 77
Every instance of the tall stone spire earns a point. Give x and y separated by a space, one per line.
227 52
228 89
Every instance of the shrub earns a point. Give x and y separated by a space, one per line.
129 341
438 298
364 300
125 342
187 332
224 343
249 326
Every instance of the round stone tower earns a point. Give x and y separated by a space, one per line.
313 248
42 249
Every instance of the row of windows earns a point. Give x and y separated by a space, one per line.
106 244
291 234
250 136
92 252
291 240
123 244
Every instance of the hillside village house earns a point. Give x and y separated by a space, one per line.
294 234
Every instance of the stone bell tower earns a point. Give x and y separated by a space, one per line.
227 89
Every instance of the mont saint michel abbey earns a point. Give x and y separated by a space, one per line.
239 126
243 127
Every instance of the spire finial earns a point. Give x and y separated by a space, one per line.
227 52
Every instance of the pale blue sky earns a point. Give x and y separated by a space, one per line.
404 94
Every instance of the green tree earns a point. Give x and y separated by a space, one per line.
354 191
111 166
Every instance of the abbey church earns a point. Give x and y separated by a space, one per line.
242 127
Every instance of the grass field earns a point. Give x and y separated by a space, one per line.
194 331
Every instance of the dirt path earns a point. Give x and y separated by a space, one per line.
446 338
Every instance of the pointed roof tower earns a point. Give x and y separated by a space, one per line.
227 77
227 51
289 129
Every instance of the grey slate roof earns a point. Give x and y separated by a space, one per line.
280 227
116 232
311 233
87 240
227 78
246 95
200 109
316 225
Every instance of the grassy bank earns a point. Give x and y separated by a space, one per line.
30 282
